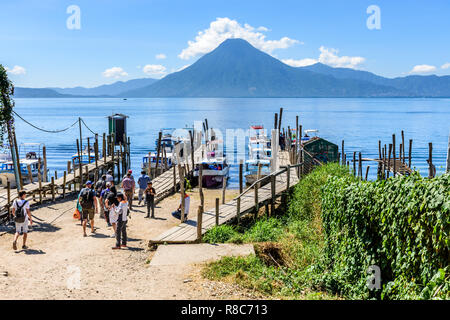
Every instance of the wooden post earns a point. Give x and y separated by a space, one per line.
79 163
30 173
44 152
199 223
149 168
8 195
181 173
342 153
367 172
53 189
402 149
96 153
279 120
89 149
288 177
431 170
354 163
410 152
192 149
104 147
256 199
238 209
241 176
360 165
64 184
393 155
113 147
158 151
174 179
272 189
389 160
40 180
276 121
447 169
224 188
200 185
217 211
119 161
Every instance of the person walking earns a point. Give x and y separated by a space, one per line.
100 186
143 181
131 174
150 194
109 176
121 210
128 186
103 197
88 202
22 215
110 203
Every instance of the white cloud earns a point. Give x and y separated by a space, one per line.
224 28
446 65
17 70
161 56
154 70
300 63
114 72
330 57
423 68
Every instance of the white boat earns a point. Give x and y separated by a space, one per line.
260 153
214 165
87 156
31 160
161 163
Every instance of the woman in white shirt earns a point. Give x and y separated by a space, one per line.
122 218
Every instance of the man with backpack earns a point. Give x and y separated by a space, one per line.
88 202
22 215
99 187
128 186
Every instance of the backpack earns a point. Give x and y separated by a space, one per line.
20 212
86 199
100 186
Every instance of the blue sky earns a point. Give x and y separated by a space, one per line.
121 40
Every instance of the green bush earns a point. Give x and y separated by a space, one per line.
220 234
401 225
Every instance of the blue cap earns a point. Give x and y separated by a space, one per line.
89 182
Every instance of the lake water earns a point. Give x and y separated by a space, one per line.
360 122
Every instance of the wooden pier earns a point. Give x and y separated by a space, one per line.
248 201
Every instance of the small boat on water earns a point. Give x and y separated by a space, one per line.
260 154
214 165
87 156
161 161
30 161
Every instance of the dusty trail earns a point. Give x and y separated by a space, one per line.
57 251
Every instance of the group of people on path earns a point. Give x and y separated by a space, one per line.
102 198
105 199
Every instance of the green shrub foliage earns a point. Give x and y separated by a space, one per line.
401 225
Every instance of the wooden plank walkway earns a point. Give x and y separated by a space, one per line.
73 177
187 232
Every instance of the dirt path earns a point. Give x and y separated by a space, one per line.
59 255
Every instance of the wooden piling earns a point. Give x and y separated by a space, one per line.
8 196
200 185
238 209
44 152
53 189
354 163
64 184
389 160
410 152
241 178
394 155
30 173
431 169
181 173
157 152
402 149
276 121
199 223
279 120
360 165
40 181
342 153
367 172
272 189
224 188
217 211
